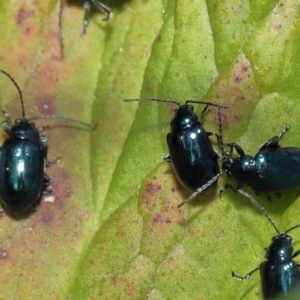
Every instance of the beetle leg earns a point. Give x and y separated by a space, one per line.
269 197
43 128
201 189
237 148
46 180
167 158
245 277
296 254
87 6
219 140
8 119
103 8
278 196
219 156
229 185
202 113
43 139
5 127
54 161
273 143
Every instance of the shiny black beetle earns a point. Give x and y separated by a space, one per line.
192 156
23 161
87 6
279 274
272 170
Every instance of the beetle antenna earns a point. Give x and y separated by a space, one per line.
60 29
221 144
19 90
60 117
175 102
154 100
207 103
260 207
294 227
201 189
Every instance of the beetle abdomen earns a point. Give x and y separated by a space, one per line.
192 156
21 173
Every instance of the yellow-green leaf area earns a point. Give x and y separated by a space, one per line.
192 250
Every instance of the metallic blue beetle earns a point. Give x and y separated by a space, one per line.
23 161
279 274
192 156
22 165
272 170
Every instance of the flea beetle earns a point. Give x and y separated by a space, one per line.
23 160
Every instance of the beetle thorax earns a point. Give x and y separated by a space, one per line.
184 118
24 130
280 249
242 168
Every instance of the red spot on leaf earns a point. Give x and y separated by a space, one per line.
23 20
49 73
150 194
161 219
61 191
45 105
62 186
172 109
277 27
237 79
24 14
3 254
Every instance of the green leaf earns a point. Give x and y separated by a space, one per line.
114 230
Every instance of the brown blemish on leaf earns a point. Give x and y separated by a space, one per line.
237 79
224 120
3 254
23 14
61 190
277 27
62 186
175 188
238 90
49 73
149 87
172 109
55 45
130 291
152 189
45 216
161 219
22 19
115 280
245 67
220 234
